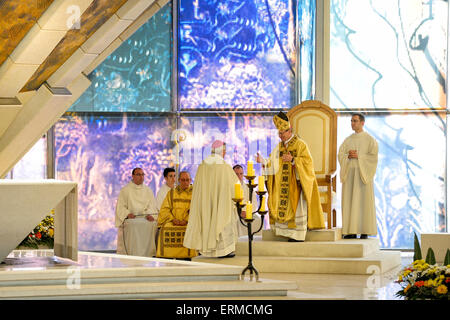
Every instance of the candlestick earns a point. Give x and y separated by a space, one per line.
237 190
248 211
263 204
261 183
250 171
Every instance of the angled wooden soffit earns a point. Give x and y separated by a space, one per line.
17 18
91 20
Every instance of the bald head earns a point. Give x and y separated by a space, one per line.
184 180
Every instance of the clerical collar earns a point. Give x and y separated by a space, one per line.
137 185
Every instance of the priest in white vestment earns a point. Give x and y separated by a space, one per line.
136 218
212 220
358 157
169 183
241 229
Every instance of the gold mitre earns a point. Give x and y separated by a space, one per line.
281 121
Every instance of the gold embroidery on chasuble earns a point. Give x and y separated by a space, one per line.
171 237
289 193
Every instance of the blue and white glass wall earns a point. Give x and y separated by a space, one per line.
238 63
390 59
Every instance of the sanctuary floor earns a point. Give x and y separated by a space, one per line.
345 286
310 286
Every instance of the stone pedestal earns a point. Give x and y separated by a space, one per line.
23 205
439 242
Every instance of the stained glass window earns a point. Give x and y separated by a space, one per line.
245 135
236 54
99 152
136 77
306 49
388 54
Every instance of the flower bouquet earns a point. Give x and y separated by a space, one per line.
424 279
42 234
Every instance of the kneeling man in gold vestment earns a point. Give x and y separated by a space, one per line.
173 219
294 200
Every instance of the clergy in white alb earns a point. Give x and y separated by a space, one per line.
212 219
358 158
136 215
242 229
169 183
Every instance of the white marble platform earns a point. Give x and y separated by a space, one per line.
314 256
351 248
38 274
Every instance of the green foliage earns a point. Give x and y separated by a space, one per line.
417 252
42 234
447 258
430 259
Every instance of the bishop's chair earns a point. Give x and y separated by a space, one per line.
316 124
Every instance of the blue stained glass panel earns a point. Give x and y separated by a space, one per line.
307 49
244 135
136 77
99 153
236 54
410 179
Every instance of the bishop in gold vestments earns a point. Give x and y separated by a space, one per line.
294 200
172 221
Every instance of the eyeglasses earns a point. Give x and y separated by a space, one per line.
139 174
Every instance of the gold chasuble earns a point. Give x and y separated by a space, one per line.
284 189
170 240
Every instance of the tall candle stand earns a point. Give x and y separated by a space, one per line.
248 224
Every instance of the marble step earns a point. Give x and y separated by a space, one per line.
182 273
312 235
153 290
381 261
350 248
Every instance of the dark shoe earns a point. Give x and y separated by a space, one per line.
293 240
350 236
363 236
230 255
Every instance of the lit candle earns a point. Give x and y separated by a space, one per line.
250 171
248 211
263 204
237 190
261 183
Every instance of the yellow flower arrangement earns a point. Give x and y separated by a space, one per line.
42 234
421 280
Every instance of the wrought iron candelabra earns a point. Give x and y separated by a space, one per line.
248 224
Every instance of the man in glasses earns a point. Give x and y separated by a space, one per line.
136 215
173 219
